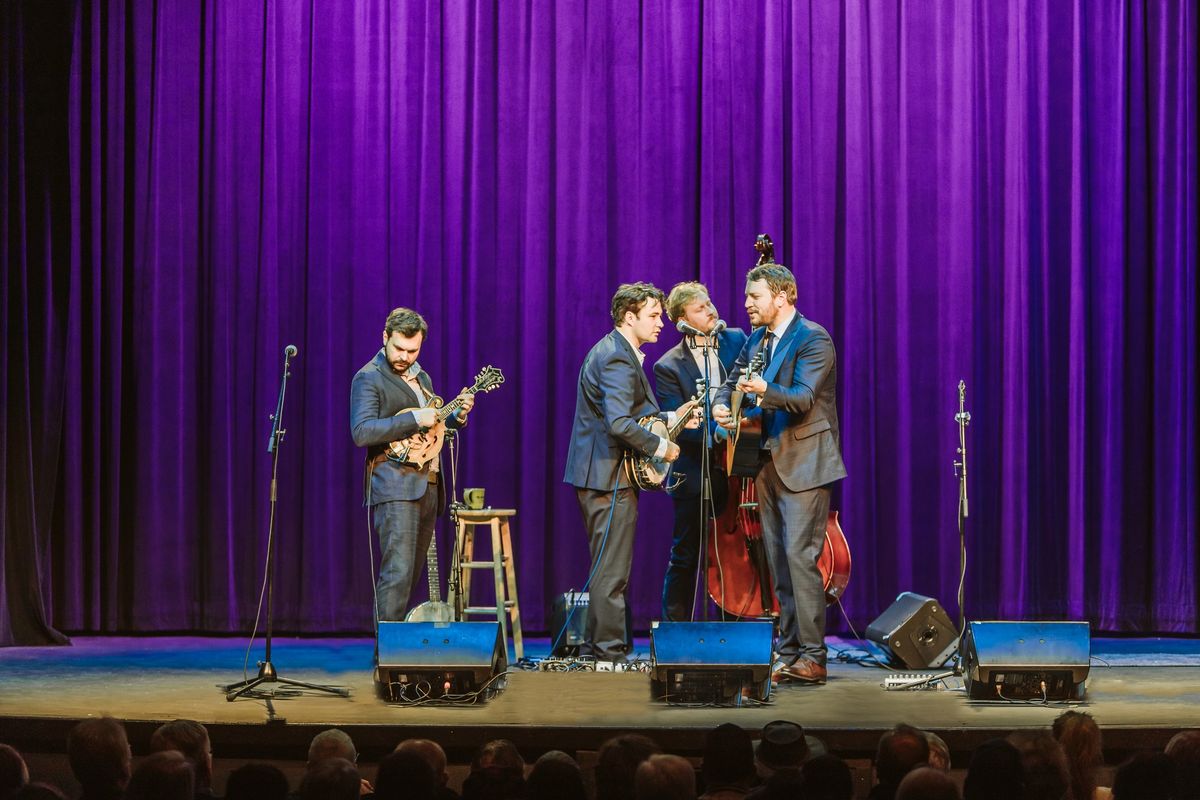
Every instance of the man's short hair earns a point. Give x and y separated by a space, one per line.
98 751
633 297
168 775
500 754
683 295
190 738
927 783
406 322
332 743
256 782
430 752
332 779
778 277
665 777
405 774
617 762
901 749
1184 752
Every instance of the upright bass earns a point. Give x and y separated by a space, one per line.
738 575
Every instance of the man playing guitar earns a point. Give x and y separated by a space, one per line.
405 498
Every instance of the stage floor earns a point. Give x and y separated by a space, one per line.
1141 691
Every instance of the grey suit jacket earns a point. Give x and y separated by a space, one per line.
613 394
376 394
799 408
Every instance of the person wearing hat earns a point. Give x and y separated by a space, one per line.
784 747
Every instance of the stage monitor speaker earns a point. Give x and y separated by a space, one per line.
449 660
1027 660
710 662
915 632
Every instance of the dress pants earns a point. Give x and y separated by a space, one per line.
793 526
612 558
405 529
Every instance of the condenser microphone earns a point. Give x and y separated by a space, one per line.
683 327
290 351
720 326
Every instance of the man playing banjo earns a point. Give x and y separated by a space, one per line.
613 395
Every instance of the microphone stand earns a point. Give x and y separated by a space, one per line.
963 418
266 670
707 508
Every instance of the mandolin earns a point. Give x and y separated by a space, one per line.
420 448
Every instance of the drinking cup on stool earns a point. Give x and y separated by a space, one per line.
473 498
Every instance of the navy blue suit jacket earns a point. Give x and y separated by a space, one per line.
376 394
675 376
612 395
799 408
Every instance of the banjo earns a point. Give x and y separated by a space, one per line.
647 472
433 609
420 448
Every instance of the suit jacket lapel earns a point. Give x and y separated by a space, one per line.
687 365
784 350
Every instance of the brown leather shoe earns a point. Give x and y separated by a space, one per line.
805 671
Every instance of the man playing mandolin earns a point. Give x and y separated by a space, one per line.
613 395
405 498
800 459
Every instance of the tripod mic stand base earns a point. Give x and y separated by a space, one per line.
268 674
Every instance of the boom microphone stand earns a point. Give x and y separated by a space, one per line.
266 670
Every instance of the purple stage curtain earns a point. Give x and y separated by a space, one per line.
1000 192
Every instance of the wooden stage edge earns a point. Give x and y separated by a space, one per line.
1137 706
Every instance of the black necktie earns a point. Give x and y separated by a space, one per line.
768 350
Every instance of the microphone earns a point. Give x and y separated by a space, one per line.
290 351
720 326
683 327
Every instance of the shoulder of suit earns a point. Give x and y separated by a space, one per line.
676 352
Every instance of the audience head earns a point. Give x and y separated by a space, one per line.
191 739
332 743
617 763
497 772
1079 736
333 778
256 782
405 776
901 749
37 791
665 777
555 776
927 783
432 754
168 775
1044 765
1184 752
728 757
100 757
826 777
13 772
1146 776
995 772
782 746
939 753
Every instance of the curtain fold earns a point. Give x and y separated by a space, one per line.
1002 193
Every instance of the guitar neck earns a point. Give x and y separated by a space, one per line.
431 565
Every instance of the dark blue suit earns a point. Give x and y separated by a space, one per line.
405 500
612 395
675 376
801 458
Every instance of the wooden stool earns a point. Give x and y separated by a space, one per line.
501 565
